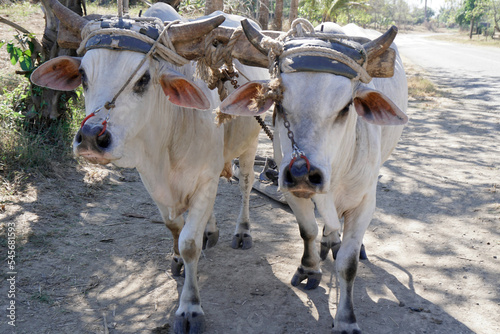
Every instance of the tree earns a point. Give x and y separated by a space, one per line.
213 5
294 6
470 12
335 8
426 18
495 5
278 15
42 102
264 14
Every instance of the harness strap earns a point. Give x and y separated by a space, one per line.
111 104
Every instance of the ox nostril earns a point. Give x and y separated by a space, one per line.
288 176
78 137
104 140
315 177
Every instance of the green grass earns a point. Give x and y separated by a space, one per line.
30 146
20 9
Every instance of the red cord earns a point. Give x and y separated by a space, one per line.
308 165
86 118
104 123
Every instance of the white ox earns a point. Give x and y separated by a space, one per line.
162 124
344 130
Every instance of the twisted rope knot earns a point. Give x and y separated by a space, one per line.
217 64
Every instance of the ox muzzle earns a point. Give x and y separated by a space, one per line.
302 179
92 142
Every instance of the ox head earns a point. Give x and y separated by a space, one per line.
109 132
319 101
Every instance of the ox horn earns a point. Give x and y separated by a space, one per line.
376 47
254 36
188 31
257 55
70 19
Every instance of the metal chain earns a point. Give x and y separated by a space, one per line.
230 76
264 127
296 151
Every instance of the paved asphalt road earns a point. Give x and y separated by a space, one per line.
470 71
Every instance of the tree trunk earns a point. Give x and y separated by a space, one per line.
471 27
426 19
48 104
213 5
278 16
495 18
264 14
294 9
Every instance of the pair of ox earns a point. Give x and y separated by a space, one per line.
334 127
160 123
337 169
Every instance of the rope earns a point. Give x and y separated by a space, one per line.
111 104
209 68
163 46
363 75
301 28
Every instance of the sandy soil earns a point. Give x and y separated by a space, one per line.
92 256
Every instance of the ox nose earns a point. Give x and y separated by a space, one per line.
92 137
302 178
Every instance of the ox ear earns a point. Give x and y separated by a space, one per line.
182 92
248 100
376 108
61 73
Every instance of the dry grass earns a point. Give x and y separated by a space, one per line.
463 37
420 87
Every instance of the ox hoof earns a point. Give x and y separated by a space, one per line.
335 249
190 323
362 254
242 240
346 328
210 239
313 278
176 266
325 248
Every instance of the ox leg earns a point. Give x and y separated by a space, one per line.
189 317
331 231
355 224
211 235
242 237
333 242
329 242
175 226
309 267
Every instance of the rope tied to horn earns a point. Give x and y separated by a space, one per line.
162 46
111 104
217 67
302 28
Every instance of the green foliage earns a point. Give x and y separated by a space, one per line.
367 13
22 53
471 10
419 15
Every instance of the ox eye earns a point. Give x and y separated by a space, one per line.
141 84
84 79
342 113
